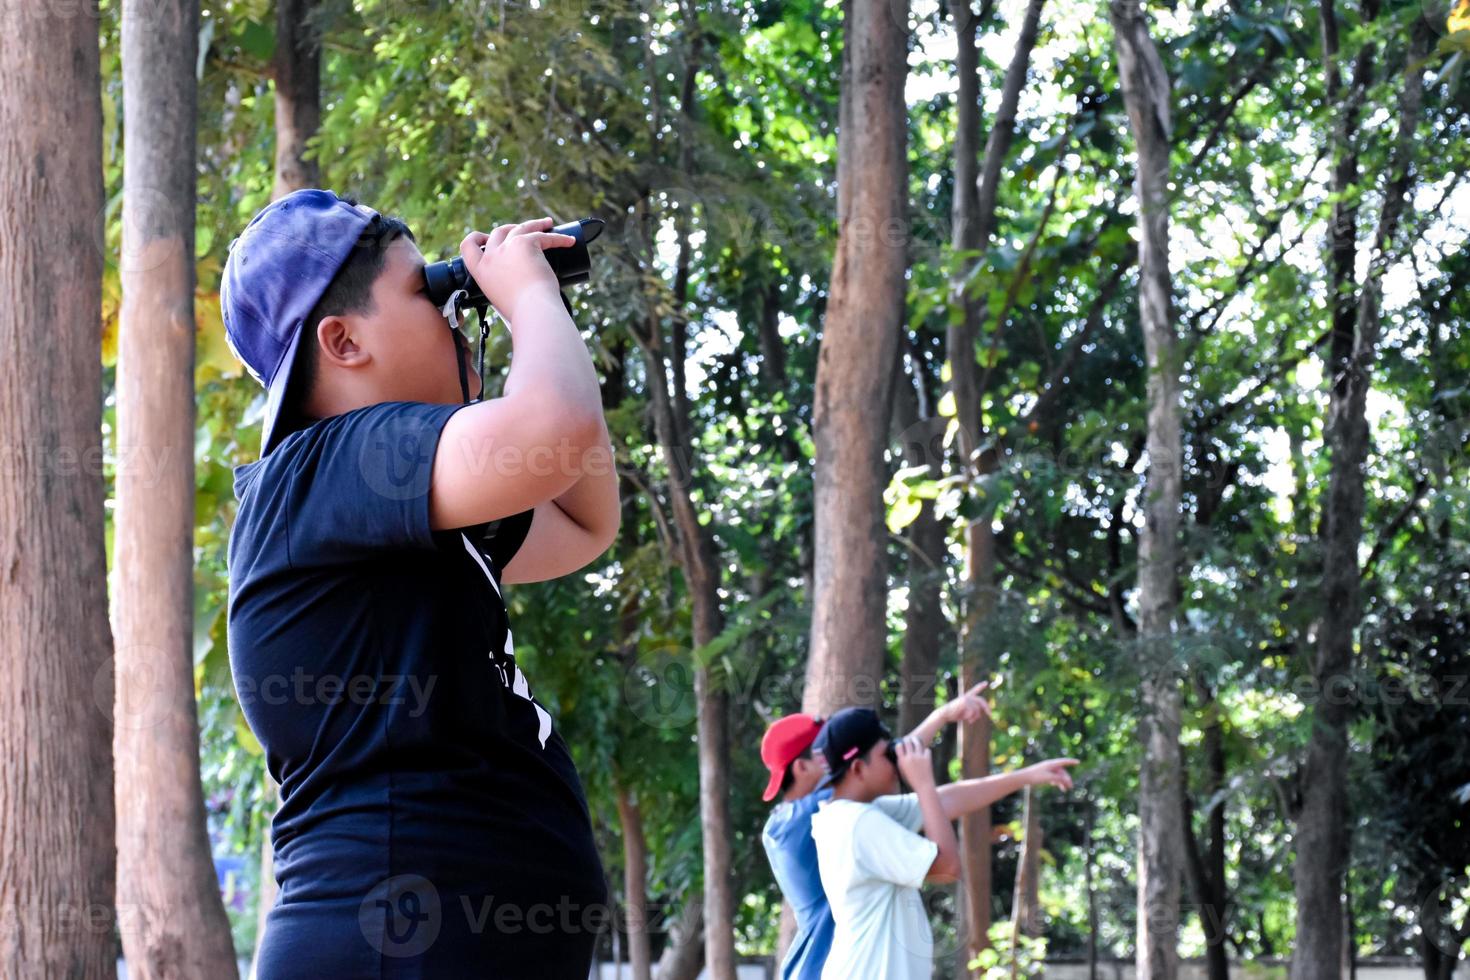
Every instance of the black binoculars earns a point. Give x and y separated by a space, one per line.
571 264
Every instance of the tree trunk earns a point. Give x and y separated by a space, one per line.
683 957
773 376
1026 902
973 219
702 575
176 925
973 216
1322 825
56 676
854 386
1160 800
1206 870
714 815
697 557
921 440
635 883
297 70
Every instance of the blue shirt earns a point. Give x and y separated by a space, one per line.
431 821
793 855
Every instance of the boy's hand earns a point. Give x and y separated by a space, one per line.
1052 772
914 764
968 707
508 264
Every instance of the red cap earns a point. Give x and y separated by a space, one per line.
784 741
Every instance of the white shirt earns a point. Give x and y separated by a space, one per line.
872 862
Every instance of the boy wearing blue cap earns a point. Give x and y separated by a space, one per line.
431 821
870 853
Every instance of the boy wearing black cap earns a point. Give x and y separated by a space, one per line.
872 858
431 821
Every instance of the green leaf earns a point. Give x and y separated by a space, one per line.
258 39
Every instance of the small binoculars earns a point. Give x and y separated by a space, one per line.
571 264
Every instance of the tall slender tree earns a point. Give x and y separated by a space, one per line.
176 925
56 806
977 189
1322 823
1146 96
697 554
854 385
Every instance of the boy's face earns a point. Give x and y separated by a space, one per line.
874 773
412 347
806 773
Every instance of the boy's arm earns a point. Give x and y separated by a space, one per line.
969 795
570 531
967 708
524 449
917 767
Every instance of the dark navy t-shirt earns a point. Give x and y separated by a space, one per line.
431 821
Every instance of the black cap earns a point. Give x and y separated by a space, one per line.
848 734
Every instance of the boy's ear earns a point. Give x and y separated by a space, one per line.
335 342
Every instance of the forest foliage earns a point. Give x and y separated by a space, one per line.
713 126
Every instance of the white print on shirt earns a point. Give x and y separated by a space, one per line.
520 686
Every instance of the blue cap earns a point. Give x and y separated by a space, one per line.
277 270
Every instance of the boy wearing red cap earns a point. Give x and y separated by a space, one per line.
786 751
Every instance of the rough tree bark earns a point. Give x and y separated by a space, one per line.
1160 797
167 880
1026 901
1206 868
176 924
683 957
56 676
854 385
296 67
973 215
635 883
1322 822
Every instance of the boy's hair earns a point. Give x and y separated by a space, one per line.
350 291
789 776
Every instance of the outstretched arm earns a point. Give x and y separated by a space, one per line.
966 708
970 795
